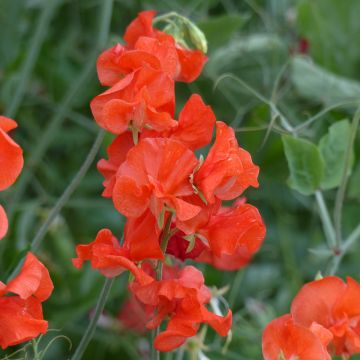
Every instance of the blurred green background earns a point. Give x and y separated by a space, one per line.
48 50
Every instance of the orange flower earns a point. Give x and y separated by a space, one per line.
21 317
194 127
228 169
331 305
142 98
156 174
181 297
286 340
146 45
230 235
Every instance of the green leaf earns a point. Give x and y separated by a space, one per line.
354 188
305 164
319 85
218 30
333 148
331 26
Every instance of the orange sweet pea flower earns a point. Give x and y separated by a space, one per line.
153 47
21 317
194 127
181 297
331 305
284 339
228 169
156 174
230 235
142 98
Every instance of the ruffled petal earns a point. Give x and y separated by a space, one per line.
141 26
283 336
33 280
196 124
20 320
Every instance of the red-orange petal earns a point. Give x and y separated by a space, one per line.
142 237
283 336
315 301
33 280
20 320
191 62
196 124
11 155
141 26
4 224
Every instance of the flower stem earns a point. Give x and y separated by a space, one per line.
64 198
340 195
353 237
59 116
155 354
89 333
326 221
32 55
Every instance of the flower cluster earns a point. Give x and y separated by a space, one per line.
21 316
11 163
324 320
173 201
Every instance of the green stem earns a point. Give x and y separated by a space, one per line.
348 243
326 221
89 333
64 198
155 355
32 55
35 349
340 195
51 130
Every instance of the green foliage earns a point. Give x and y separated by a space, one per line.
305 163
321 86
219 30
333 148
332 27
253 40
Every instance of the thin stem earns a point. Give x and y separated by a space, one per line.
35 349
275 112
309 121
351 239
326 220
89 333
155 355
51 130
64 197
32 55
340 195
348 243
